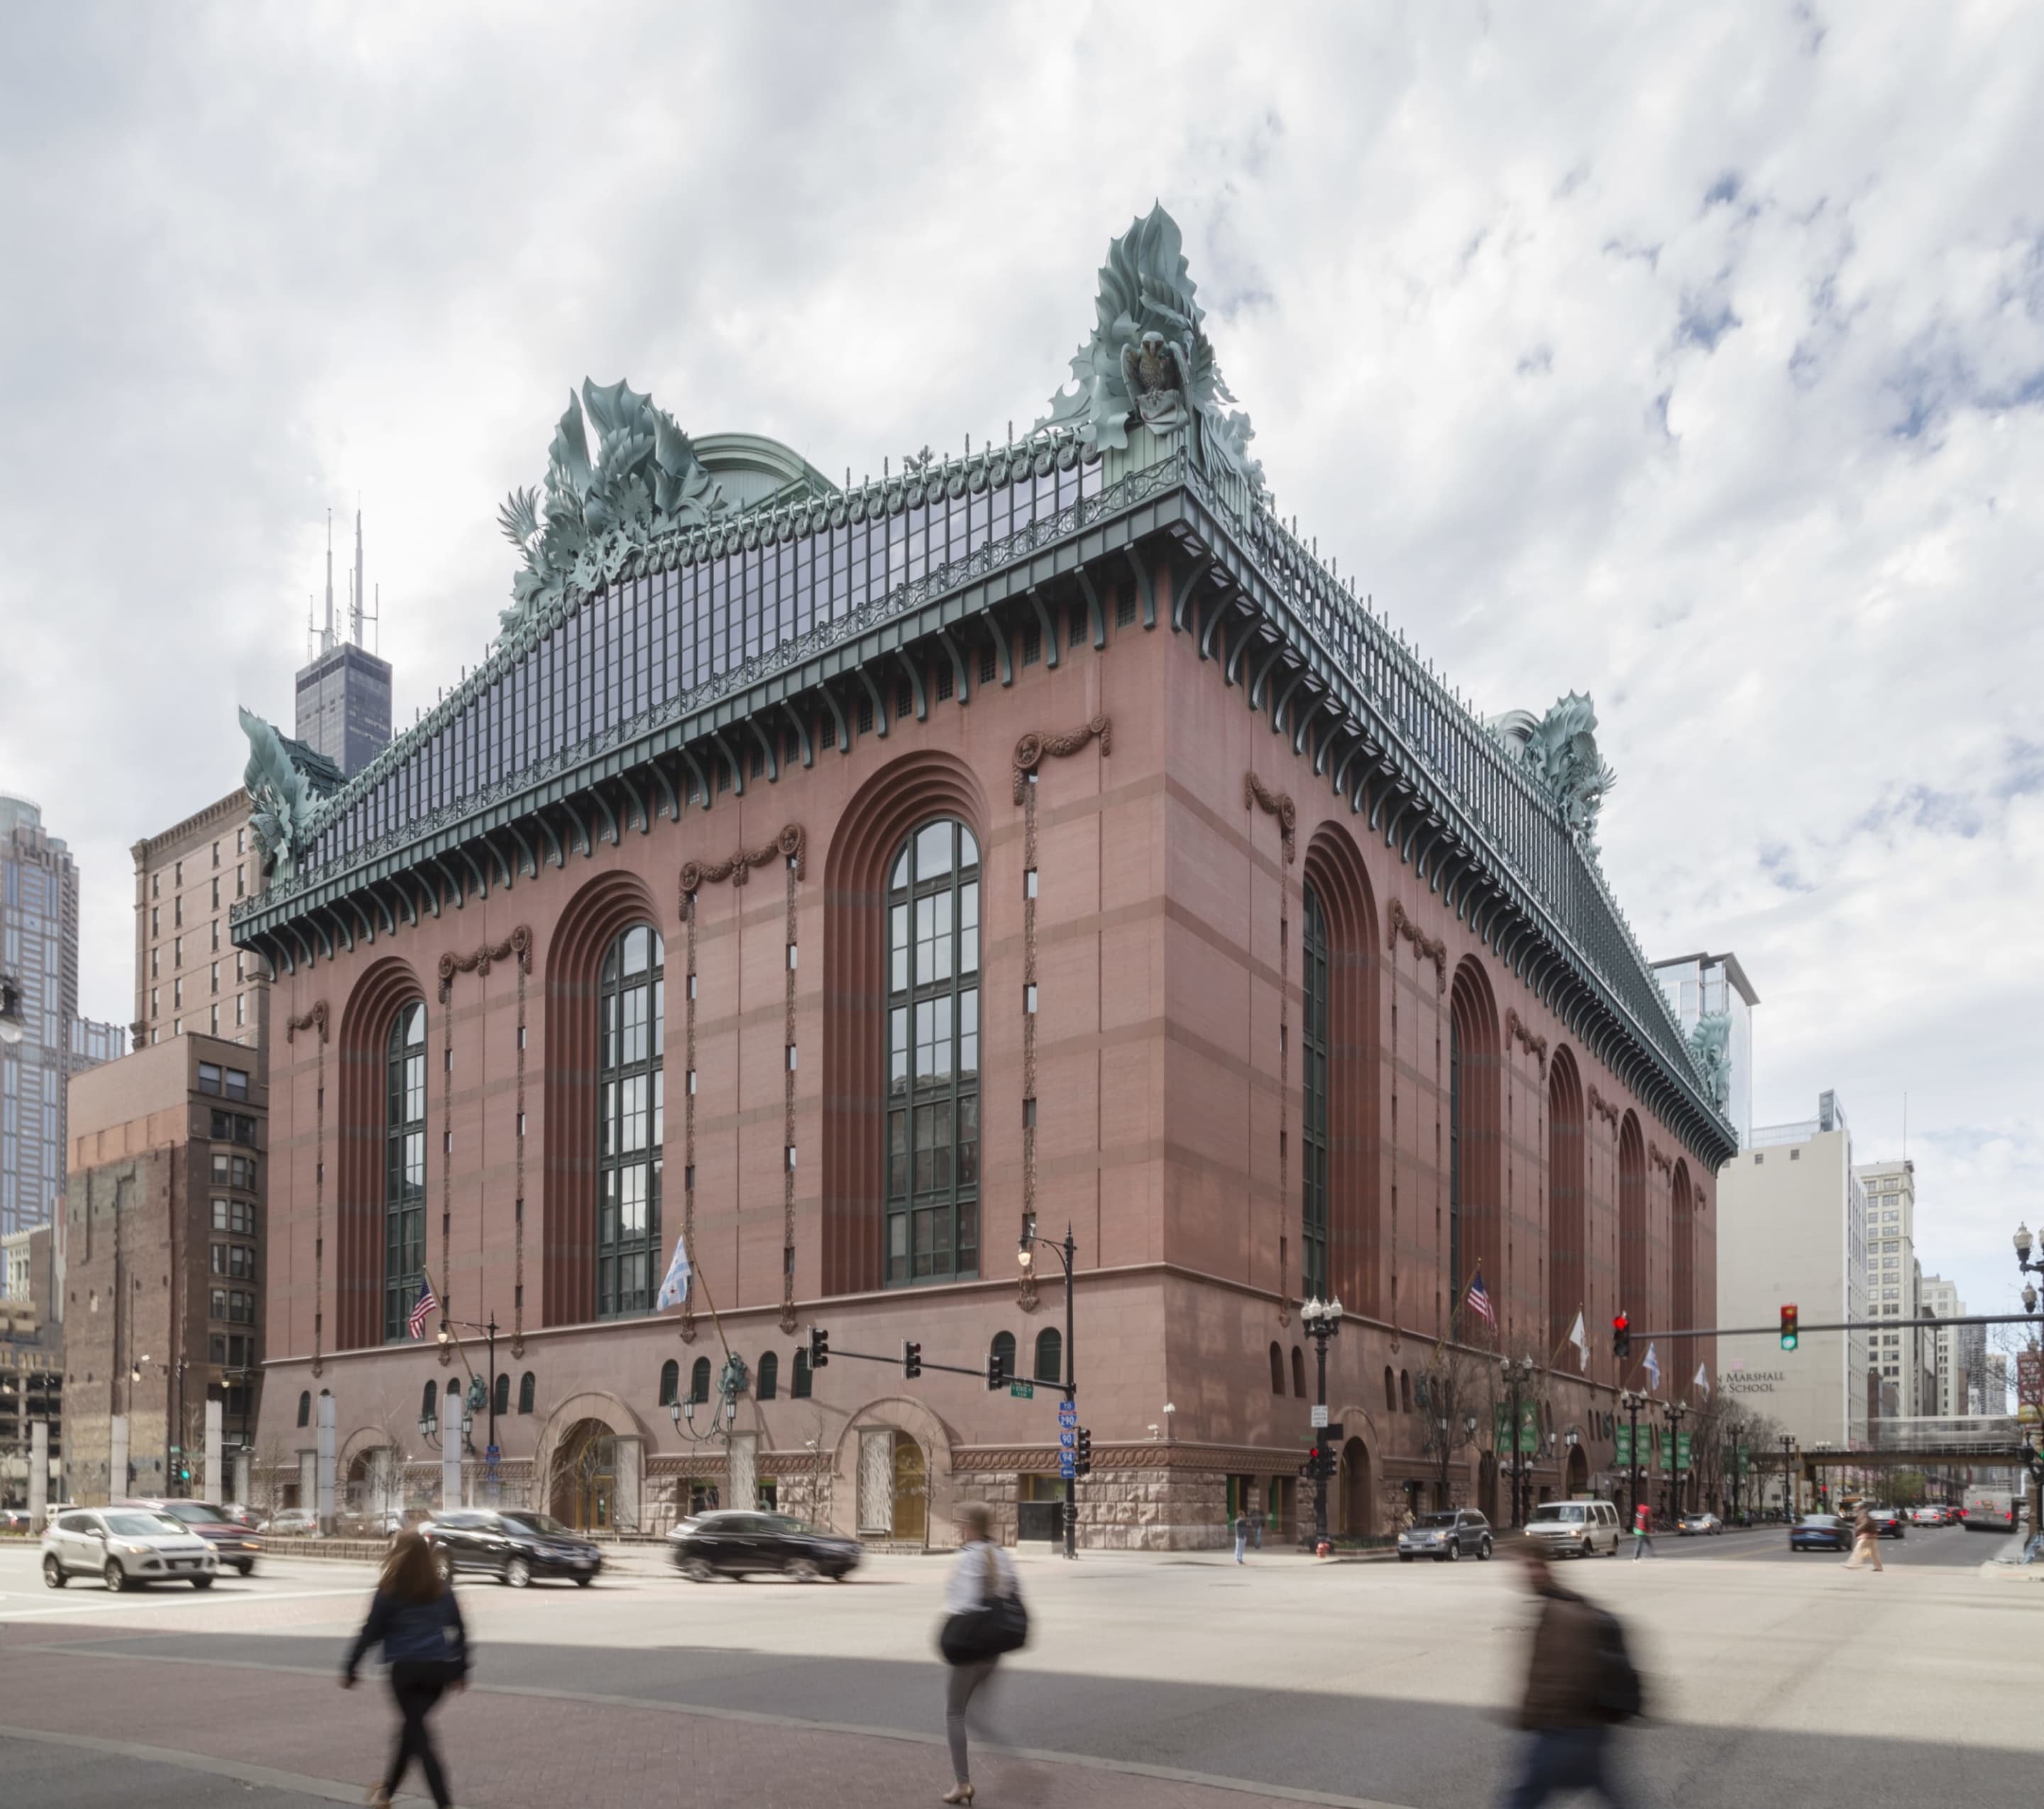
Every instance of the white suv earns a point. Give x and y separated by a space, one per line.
1581 1529
124 1546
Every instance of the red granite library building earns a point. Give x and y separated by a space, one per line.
834 886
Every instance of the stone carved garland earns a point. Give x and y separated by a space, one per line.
1603 1108
1659 1159
790 844
1279 804
518 944
315 1018
1536 1047
1424 947
1030 750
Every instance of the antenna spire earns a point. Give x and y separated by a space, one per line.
326 644
358 593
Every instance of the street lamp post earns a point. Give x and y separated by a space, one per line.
1632 1401
488 1330
1675 1413
1517 1374
1320 1320
1788 1501
1067 1252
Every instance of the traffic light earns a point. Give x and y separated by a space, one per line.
1320 1463
1621 1336
911 1359
1082 1453
819 1347
997 1370
1788 1338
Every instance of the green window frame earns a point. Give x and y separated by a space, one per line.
404 1167
933 1032
631 1113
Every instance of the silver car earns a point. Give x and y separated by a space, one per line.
1446 1536
126 1547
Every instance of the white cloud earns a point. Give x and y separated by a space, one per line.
1693 358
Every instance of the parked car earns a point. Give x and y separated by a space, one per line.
291 1523
243 1516
125 1547
515 1547
236 1547
1446 1535
1820 1532
1572 1529
1699 1524
731 1542
15 1520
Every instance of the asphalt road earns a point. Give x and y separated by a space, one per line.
1377 1684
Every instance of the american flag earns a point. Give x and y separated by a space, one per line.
422 1309
1479 1300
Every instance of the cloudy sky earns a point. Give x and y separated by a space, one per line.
1691 356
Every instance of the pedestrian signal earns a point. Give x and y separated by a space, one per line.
911 1359
819 1347
1621 1336
1082 1453
1788 1335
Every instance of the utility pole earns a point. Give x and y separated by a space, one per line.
1068 1253
1321 1320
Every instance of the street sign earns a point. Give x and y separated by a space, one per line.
1066 1466
1023 1391
1335 1432
1068 1413
1068 1436
2029 1377
1320 1416
492 1455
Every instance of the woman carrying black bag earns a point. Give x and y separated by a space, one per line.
983 1618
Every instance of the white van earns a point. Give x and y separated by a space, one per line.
1575 1529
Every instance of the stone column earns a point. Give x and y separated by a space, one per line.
450 1468
326 1460
308 1479
39 1473
741 1477
627 1512
212 1478
242 1478
116 1457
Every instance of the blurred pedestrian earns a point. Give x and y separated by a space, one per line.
983 1618
417 1622
1643 1533
1241 1535
1866 1539
1579 1681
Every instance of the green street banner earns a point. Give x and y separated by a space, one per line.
1682 1451
1624 1438
1529 1428
1745 1459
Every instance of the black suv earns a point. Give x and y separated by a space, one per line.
732 1542
514 1546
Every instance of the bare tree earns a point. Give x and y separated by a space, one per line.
1455 1394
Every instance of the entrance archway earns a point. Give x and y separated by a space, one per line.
1579 1472
912 1492
1358 1492
584 1480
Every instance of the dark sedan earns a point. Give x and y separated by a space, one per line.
516 1546
1820 1532
1888 1524
732 1542
236 1547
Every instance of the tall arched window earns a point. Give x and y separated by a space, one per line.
699 1379
1454 1165
1002 1351
1568 1282
404 1167
630 1094
429 1403
1313 1078
1277 1370
1632 1224
768 1383
526 1388
799 1379
671 1382
933 1055
1298 1373
502 1404
1049 1355
305 1406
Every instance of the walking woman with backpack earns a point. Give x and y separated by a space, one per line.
417 1622
984 1618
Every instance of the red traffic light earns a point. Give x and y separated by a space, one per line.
1621 1335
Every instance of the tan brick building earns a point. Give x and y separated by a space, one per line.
189 978
163 1288
848 880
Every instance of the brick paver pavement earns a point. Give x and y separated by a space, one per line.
523 1749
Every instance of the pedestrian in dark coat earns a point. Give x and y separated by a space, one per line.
416 1621
1563 1709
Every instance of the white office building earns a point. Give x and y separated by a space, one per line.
1704 989
1793 1231
1937 1295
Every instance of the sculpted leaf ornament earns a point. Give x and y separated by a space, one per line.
281 798
1710 1042
644 481
1149 359
1561 750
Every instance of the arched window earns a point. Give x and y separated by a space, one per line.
525 1391
1298 1373
798 1384
1568 1282
429 1403
768 1382
671 1382
1390 1390
305 1406
1405 1391
1475 1180
1002 1351
1313 1081
1277 1370
1632 1226
933 1055
1049 1355
631 1013
404 1167
502 1405
699 1379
